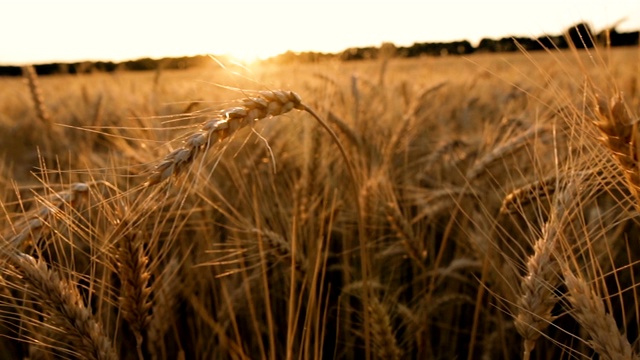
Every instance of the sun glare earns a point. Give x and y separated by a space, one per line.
244 58
250 54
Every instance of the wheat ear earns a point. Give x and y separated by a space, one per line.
59 298
403 230
35 221
589 311
135 291
621 137
227 121
62 302
502 150
382 335
537 296
31 76
533 191
224 124
282 248
266 104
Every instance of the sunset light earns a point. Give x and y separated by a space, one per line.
43 31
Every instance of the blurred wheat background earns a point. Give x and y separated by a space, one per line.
484 207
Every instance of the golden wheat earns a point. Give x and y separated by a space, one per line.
421 255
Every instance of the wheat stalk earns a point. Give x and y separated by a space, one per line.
167 289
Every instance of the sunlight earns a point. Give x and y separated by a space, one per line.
246 48
249 55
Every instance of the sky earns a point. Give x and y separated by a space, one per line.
41 31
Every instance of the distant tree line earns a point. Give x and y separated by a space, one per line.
88 67
580 36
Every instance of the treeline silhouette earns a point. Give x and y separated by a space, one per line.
87 67
580 36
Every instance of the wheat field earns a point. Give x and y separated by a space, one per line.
483 207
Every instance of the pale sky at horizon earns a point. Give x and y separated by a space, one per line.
68 31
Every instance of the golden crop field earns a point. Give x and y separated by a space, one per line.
435 208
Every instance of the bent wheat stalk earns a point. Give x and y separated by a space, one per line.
227 121
249 110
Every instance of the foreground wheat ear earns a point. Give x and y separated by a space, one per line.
62 303
621 136
63 306
589 311
223 124
227 121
